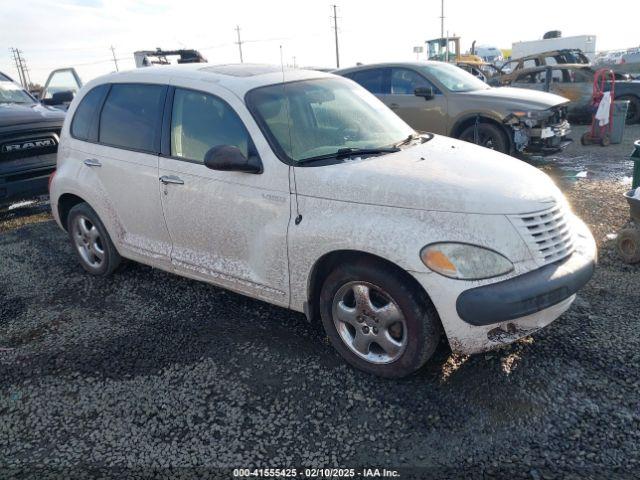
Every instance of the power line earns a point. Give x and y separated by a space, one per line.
335 28
115 60
239 42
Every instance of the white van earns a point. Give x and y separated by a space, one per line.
301 189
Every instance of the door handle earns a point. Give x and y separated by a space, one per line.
171 179
92 162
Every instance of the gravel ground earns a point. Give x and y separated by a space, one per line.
146 373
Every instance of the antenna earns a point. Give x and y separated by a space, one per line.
293 168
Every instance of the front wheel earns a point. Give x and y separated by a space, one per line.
487 135
376 320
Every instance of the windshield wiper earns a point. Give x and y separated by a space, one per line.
350 152
424 137
407 140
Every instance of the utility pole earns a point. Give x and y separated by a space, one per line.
335 29
115 60
239 42
15 59
442 19
21 67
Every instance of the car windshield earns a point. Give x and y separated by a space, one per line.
11 93
453 78
320 117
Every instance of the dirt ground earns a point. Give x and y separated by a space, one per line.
148 373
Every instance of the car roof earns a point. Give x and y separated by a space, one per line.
550 53
572 66
238 78
387 65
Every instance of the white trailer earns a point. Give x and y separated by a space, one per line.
586 43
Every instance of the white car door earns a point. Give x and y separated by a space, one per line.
228 228
122 166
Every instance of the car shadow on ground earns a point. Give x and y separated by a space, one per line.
142 321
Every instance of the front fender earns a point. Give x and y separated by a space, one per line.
394 234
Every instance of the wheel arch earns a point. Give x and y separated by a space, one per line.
462 123
66 202
323 266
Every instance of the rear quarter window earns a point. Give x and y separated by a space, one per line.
372 80
131 117
85 116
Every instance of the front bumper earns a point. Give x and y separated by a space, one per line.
24 184
526 294
482 315
550 139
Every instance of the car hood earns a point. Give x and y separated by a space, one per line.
515 98
442 174
17 114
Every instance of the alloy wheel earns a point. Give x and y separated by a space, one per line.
369 322
88 242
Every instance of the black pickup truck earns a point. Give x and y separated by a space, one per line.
29 135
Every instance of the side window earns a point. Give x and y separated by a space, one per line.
551 61
525 78
200 121
372 79
531 63
131 116
85 116
404 81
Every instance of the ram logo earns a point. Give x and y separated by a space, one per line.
28 145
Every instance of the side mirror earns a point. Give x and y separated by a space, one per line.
425 92
230 159
59 98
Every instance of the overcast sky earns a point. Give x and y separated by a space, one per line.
60 33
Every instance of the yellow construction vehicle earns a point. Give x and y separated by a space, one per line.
447 49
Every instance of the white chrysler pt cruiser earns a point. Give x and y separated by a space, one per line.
301 189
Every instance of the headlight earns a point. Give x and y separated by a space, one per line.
533 114
464 262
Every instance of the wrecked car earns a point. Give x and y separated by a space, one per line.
301 189
575 82
553 57
442 98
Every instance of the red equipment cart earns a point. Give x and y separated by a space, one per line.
600 134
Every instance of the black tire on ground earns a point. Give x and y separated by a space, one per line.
422 333
585 139
605 140
489 136
633 113
98 239
628 245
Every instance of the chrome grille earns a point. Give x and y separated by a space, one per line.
548 234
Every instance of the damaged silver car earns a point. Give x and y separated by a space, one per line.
441 98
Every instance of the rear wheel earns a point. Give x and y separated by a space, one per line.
488 136
376 320
91 242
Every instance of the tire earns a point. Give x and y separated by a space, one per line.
91 242
389 311
489 136
628 245
633 113
605 141
586 138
